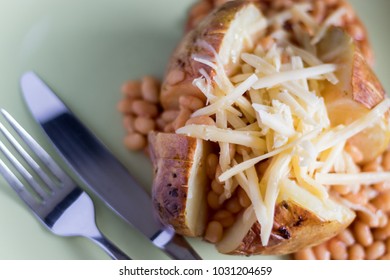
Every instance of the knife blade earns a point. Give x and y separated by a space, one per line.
100 171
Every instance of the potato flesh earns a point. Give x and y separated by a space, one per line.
358 91
196 207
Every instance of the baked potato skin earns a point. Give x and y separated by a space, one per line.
173 159
294 228
182 69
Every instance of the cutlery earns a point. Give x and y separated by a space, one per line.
98 168
57 202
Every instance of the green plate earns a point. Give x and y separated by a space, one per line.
85 50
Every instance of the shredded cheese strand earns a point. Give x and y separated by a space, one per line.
227 100
247 164
212 133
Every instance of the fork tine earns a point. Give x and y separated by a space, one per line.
18 187
30 161
23 171
34 146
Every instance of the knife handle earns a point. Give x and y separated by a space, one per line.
174 245
111 249
179 249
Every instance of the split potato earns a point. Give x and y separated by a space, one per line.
180 183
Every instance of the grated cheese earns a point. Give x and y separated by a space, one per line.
272 108
212 133
293 75
227 100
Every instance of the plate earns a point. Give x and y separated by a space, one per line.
85 50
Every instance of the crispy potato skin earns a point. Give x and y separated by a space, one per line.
294 228
366 87
211 30
173 158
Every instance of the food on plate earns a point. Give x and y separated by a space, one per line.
270 120
180 177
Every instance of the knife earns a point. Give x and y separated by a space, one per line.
101 172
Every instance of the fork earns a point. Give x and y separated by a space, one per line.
55 199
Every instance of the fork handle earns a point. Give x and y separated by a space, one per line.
110 248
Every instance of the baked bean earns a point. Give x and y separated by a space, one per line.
369 218
135 141
243 198
382 233
144 108
205 120
385 257
373 166
213 200
375 250
362 233
321 252
383 220
382 201
217 187
169 128
170 115
356 252
160 124
233 205
128 123
150 88
144 125
124 106
305 254
212 163
190 102
346 237
132 89
342 189
382 186
357 198
174 77
214 232
225 217
182 118
354 152
388 245
386 161
337 249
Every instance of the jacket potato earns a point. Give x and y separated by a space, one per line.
292 132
